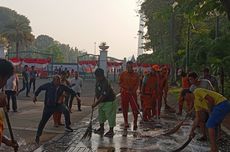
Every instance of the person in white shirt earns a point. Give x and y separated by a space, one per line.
11 89
76 83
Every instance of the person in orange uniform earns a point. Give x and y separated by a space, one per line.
129 82
148 94
61 100
159 89
185 86
165 75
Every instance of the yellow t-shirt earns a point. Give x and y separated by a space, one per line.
200 102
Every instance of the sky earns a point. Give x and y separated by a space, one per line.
81 23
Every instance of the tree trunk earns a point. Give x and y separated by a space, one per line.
17 47
226 4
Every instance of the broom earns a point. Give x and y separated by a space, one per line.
177 127
10 129
88 133
136 105
184 145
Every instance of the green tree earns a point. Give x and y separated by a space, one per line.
15 28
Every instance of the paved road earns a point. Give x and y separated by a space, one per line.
25 121
147 138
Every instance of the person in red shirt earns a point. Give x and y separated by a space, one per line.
165 87
129 82
185 86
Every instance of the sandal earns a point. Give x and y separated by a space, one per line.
125 133
99 131
109 134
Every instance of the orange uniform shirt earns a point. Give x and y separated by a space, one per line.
185 82
150 86
129 81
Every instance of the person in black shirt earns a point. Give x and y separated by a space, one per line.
54 91
25 81
107 105
33 75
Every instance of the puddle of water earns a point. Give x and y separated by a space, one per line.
154 140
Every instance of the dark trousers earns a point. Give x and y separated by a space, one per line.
67 97
32 81
25 85
48 112
78 102
12 95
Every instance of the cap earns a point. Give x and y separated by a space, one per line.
156 67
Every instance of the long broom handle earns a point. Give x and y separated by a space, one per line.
91 117
9 126
136 106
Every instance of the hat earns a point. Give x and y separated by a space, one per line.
156 67
99 72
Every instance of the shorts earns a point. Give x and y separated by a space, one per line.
107 111
218 114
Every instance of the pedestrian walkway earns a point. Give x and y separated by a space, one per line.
25 122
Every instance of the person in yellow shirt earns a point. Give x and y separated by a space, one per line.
6 71
215 104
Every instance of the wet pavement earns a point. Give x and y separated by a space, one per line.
148 137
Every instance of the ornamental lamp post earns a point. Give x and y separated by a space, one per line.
103 57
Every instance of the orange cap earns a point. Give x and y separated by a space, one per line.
156 67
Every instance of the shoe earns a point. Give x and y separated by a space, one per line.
68 129
27 96
61 124
126 126
135 127
125 133
99 131
167 107
15 111
202 139
109 134
37 140
79 109
142 121
179 113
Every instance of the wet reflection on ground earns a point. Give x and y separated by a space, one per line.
147 138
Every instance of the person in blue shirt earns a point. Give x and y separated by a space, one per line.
54 91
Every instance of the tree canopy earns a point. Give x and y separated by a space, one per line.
192 33
16 36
